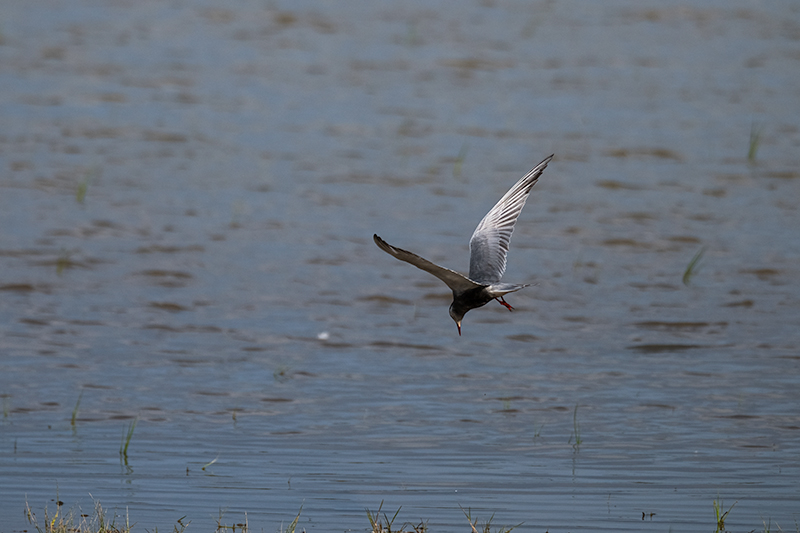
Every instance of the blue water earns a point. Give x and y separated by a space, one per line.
187 203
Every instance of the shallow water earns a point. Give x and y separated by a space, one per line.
187 204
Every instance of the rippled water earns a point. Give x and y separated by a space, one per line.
187 200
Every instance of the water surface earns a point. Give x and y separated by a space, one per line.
187 203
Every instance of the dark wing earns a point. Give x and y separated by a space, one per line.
488 246
457 282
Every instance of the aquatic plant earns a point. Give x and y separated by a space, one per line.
376 524
75 410
458 163
75 521
693 266
64 522
63 261
575 438
126 439
242 526
755 140
385 526
282 374
83 185
721 515
293 525
487 526
214 460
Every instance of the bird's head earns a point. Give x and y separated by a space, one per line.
457 314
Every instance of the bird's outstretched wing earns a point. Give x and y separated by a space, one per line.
488 245
457 282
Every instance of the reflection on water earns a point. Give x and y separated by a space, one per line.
186 208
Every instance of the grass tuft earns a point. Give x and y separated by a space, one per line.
243 527
293 525
385 526
693 267
75 410
487 526
65 521
126 439
721 515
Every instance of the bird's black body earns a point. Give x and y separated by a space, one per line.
470 299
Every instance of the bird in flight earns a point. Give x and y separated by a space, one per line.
488 248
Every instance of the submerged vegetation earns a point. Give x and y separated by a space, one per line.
755 140
126 440
75 410
693 267
83 185
575 439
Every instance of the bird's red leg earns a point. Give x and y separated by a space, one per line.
503 302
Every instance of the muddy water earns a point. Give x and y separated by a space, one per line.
187 199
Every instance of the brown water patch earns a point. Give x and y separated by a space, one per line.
784 175
684 239
384 299
24 287
189 328
658 406
476 63
638 216
189 362
763 274
276 400
626 242
34 321
523 337
97 132
679 326
663 348
164 137
168 306
660 153
618 185
163 249
328 260
388 344
166 278
741 303
121 417
79 322
656 286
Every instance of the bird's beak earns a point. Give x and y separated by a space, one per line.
459 327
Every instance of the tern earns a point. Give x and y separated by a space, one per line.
488 248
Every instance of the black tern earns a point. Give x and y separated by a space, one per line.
488 248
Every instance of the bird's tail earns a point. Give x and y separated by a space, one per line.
498 290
